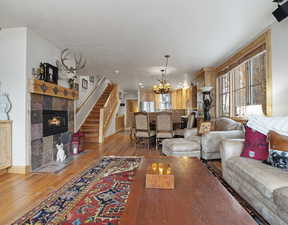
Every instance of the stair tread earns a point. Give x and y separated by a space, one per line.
92 120
89 135
90 124
90 132
90 127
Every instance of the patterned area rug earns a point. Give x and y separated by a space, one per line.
98 196
253 213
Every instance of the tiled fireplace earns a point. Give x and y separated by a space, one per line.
52 122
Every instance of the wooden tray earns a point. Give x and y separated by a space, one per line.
159 175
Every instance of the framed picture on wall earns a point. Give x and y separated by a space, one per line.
51 73
76 86
91 79
84 83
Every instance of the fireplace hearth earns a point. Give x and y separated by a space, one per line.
54 122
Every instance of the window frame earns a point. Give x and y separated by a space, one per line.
248 77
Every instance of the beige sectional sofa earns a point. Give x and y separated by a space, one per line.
264 187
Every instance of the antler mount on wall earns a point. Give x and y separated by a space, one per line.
78 59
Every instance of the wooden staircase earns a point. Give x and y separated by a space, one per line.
90 127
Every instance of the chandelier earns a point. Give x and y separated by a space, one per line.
163 87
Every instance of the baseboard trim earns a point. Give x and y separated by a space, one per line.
111 135
3 171
20 169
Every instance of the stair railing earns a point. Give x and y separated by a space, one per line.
83 111
107 112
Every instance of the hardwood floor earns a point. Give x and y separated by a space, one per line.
20 193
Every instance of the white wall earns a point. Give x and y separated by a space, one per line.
84 93
13 46
38 50
112 126
122 109
280 68
22 50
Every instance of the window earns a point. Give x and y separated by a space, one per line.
147 106
242 86
165 102
224 94
239 89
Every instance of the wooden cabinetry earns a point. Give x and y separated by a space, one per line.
182 98
194 97
5 144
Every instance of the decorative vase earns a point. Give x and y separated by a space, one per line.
5 107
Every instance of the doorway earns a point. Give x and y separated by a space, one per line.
131 107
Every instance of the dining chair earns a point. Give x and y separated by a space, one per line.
164 127
142 128
190 125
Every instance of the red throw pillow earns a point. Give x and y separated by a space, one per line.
256 145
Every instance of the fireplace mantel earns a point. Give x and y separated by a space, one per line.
45 88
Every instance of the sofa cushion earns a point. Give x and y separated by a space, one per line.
225 124
165 134
263 177
255 145
180 144
194 138
145 134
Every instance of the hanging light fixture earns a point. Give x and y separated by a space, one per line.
163 87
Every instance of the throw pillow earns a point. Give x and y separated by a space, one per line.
255 145
278 150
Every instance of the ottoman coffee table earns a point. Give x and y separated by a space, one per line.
182 147
197 199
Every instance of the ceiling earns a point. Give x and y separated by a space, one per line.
132 36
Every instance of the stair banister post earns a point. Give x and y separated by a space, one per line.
101 126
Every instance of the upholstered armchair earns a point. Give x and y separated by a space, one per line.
224 128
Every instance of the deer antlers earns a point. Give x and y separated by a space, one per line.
80 62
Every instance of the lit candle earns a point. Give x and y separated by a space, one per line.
160 167
168 170
154 166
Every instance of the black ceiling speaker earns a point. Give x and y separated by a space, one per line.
282 11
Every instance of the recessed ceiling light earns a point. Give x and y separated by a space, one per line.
140 84
116 71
